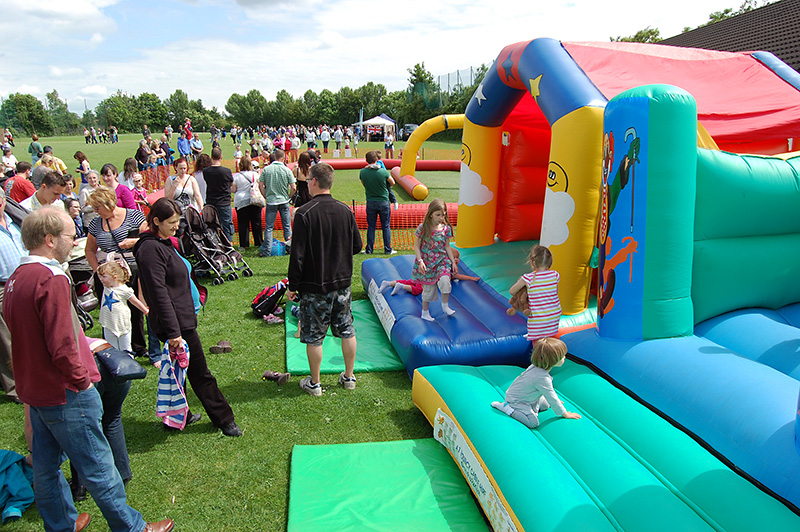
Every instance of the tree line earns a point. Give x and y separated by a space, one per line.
422 99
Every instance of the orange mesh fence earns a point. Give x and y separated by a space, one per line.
404 222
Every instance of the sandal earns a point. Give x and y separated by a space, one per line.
271 318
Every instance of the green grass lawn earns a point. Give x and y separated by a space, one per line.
200 478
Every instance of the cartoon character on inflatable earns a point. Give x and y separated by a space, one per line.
609 195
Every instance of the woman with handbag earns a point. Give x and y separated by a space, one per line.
301 172
183 187
113 390
166 285
115 230
248 212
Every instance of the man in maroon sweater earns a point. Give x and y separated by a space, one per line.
55 371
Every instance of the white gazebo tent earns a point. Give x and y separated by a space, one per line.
386 125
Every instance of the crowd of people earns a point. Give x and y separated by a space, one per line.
148 297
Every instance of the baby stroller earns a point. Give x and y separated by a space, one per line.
212 252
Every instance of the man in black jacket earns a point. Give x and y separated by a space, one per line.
324 241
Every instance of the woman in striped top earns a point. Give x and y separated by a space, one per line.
542 285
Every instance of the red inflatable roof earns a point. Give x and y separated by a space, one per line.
738 98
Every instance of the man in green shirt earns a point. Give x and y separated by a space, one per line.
376 181
277 184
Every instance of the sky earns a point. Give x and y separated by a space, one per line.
89 49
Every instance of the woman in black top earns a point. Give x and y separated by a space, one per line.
165 284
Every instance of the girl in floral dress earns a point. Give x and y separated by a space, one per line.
435 262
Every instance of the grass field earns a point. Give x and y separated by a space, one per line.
200 478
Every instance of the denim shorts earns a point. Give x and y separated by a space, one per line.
320 311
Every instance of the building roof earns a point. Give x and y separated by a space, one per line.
774 28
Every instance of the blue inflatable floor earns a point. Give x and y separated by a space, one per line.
480 333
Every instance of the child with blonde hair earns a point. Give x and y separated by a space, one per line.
532 392
542 286
434 263
115 315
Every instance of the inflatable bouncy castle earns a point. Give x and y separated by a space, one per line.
688 385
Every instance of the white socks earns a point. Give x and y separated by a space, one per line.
384 286
503 407
397 289
426 315
447 310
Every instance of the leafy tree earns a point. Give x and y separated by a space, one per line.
327 111
119 109
64 121
177 104
283 105
24 112
647 35
151 111
88 119
248 110
347 106
371 97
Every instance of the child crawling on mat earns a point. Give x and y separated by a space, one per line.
532 392
415 287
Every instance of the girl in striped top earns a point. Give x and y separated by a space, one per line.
542 285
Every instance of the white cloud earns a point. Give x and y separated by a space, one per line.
69 72
94 90
472 191
29 89
558 210
269 45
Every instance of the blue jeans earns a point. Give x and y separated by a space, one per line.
74 428
269 225
225 220
153 344
384 209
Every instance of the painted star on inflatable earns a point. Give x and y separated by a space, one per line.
479 95
508 65
109 300
534 86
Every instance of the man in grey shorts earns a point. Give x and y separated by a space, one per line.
325 238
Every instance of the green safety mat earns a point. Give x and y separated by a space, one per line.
374 351
502 263
408 485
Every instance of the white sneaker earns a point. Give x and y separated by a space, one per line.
310 389
349 383
392 252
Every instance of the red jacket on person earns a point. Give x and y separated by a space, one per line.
50 354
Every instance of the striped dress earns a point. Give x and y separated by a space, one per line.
543 300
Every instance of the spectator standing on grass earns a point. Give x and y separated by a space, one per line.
35 149
325 137
143 155
196 145
183 147
249 215
218 181
55 374
277 184
376 181
337 137
321 268
166 286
